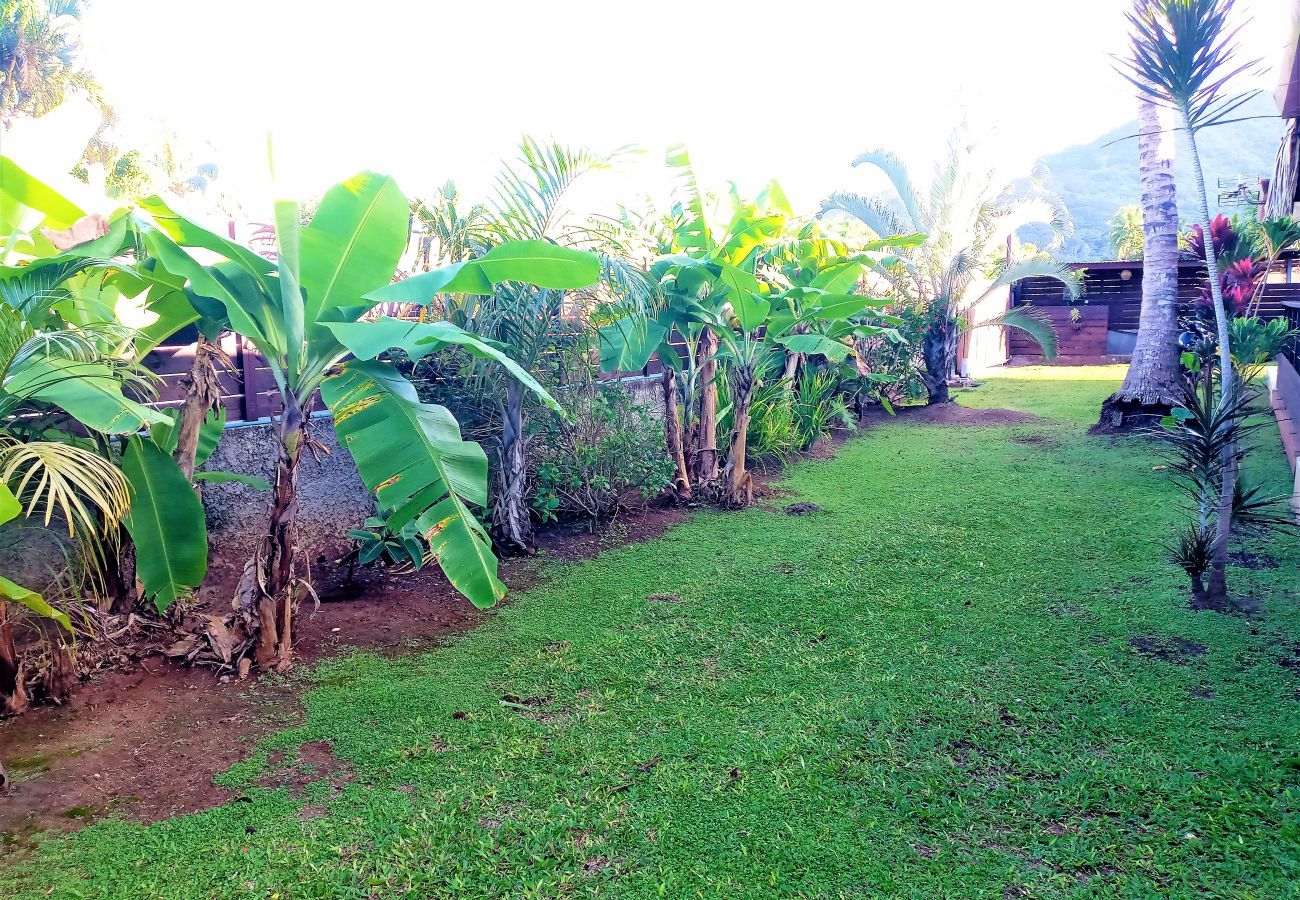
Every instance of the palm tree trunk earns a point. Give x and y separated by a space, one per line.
1218 580
673 436
706 437
1150 386
739 486
511 514
938 348
275 604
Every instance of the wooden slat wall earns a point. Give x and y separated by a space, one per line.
1120 301
248 389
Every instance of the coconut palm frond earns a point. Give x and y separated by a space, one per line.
531 193
1031 321
892 167
87 491
1040 207
33 290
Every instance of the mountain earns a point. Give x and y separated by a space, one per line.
1097 178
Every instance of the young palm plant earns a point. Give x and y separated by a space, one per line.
1183 56
968 220
532 204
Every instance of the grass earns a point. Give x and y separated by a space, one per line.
927 689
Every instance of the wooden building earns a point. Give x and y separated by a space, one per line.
1101 326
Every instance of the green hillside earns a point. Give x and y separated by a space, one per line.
1098 178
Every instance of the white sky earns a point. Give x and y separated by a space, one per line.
793 90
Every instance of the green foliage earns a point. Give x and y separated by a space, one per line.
376 542
39 56
166 523
607 454
1256 342
303 315
851 702
1127 238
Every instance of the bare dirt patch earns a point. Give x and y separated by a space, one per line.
802 509
1042 441
947 414
1243 559
1174 649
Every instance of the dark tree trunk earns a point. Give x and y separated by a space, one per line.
13 694
673 435
275 605
513 520
939 350
739 484
706 436
1150 388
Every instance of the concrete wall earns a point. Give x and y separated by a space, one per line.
1284 394
332 498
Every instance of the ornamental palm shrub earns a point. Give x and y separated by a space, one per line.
966 219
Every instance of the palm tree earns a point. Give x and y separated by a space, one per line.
969 220
1151 385
1126 236
532 204
1182 58
54 375
38 57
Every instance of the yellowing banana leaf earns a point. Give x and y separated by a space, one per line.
412 456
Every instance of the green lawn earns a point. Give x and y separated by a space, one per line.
925 689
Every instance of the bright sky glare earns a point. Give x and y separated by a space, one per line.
434 90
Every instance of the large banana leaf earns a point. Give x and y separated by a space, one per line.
24 189
627 344
354 242
366 340
90 392
412 456
813 344
166 523
539 263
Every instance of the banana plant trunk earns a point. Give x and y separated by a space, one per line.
739 484
513 520
673 436
275 604
706 433
13 694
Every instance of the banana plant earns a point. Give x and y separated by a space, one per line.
728 296
306 315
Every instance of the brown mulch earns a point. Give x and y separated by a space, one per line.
947 414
